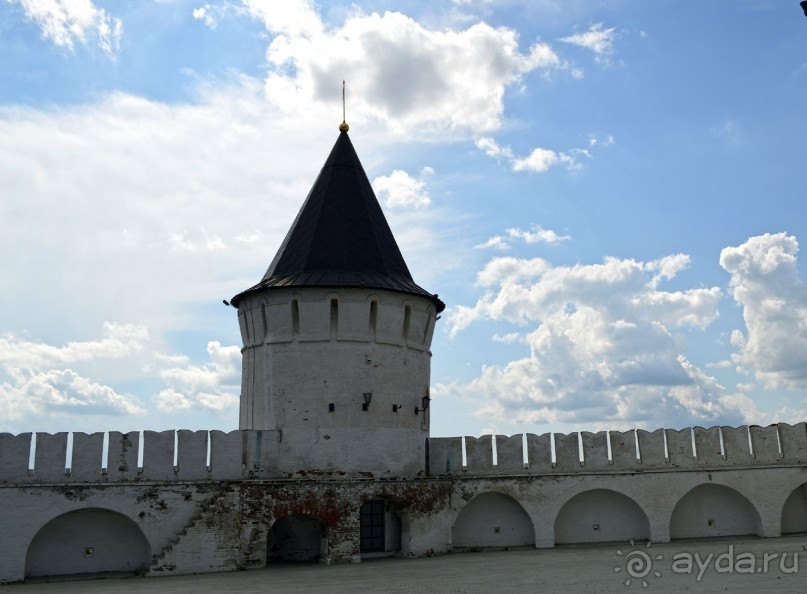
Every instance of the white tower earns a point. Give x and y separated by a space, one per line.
336 336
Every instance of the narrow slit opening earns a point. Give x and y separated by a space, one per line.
295 317
407 318
373 318
334 317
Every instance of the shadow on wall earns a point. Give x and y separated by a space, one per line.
794 512
600 515
297 539
714 510
88 541
493 520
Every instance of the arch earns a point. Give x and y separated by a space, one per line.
92 540
711 510
600 515
794 511
299 538
382 524
493 519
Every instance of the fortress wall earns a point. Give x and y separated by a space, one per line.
623 450
354 320
765 441
260 453
88 450
122 457
278 321
679 448
651 448
15 451
510 454
315 318
567 452
479 454
192 455
539 453
49 459
445 456
794 443
389 325
226 455
595 450
158 455
387 452
351 452
736 446
207 526
707 445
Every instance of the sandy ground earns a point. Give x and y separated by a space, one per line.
735 565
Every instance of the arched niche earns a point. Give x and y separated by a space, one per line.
296 539
600 515
711 510
493 520
88 541
794 511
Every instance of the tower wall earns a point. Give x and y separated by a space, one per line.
309 356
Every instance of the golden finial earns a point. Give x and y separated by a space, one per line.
343 127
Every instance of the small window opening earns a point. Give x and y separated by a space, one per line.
334 317
407 318
295 317
263 319
373 318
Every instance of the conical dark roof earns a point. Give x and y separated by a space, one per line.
340 237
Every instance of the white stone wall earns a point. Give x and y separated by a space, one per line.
221 519
310 355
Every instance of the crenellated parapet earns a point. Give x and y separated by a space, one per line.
345 315
190 456
695 448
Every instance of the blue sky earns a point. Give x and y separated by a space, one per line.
608 196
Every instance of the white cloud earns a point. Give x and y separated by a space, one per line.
212 14
400 73
65 22
508 338
213 386
119 340
538 235
489 146
295 18
603 345
399 189
540 159
59 392
206 15
497 242
766 283
597 39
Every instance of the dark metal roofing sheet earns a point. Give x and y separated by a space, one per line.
340 237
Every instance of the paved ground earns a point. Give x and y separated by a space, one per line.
696 566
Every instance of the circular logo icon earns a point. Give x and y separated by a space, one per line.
638 564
